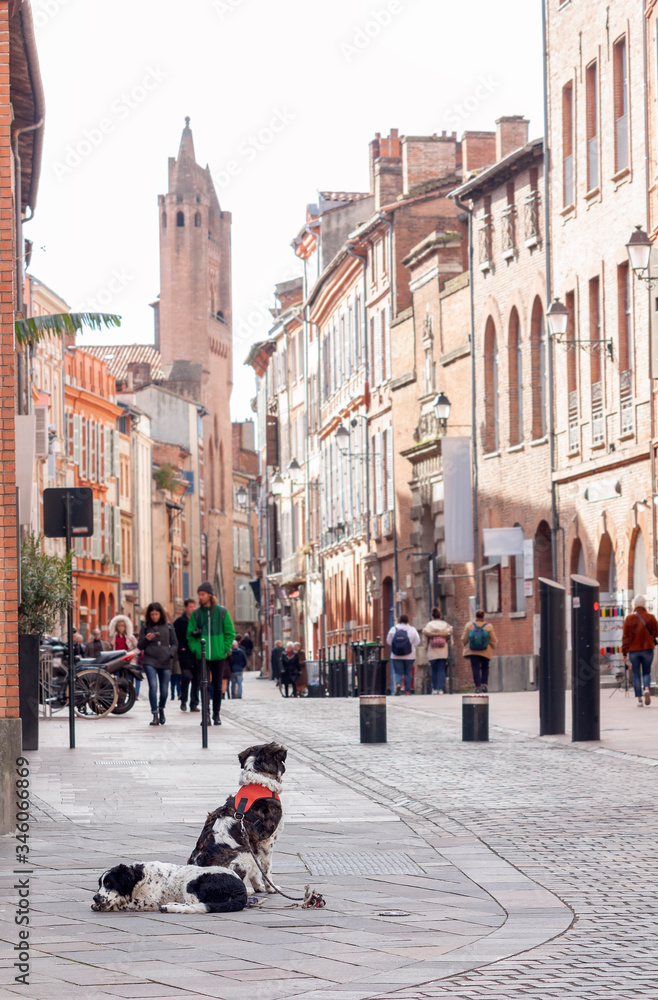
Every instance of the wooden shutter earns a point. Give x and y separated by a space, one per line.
378 353
390 479
96 538
379 475
386 323
116 537
77 434
41 431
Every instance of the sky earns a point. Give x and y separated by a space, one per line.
291 92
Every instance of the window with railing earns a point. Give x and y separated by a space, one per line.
574 433
592 123
625 403
598 424
620 77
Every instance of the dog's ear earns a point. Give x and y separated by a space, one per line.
124 878
244 756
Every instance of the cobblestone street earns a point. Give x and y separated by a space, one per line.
524 866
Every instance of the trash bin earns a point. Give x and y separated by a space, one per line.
337 678
370 669
372 717
475 718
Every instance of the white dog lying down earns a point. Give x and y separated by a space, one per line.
155 885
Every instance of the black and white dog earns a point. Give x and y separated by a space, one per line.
253 818
170 889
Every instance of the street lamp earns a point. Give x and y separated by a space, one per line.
557 315
241 496
295 471
277 484
343 437
639 253
441 405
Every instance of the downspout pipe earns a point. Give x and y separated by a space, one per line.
555 525
474 441
652 408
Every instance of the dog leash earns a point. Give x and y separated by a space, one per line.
309 901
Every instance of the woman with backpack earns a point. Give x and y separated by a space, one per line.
158 643
403 640
479 641
438 633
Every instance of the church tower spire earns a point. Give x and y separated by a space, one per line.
193 327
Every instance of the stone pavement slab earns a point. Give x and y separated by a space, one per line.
95 810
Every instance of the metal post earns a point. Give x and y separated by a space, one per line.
585 681
372 718
204 696
552 657
475 718
67 504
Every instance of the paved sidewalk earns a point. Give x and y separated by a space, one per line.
489 849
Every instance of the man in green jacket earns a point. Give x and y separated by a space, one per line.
213 623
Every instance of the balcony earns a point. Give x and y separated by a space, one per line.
626 423
292 568
574 430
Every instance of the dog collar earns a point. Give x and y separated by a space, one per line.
249 794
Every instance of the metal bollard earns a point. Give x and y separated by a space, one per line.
372 716
475 718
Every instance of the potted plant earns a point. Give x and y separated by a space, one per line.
45 594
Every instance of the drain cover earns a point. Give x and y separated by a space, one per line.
393 913
361 863
118 763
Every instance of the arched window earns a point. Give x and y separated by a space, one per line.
639 564
577 560
180 219
606 568
197 220
539 371
164 220
110 608
515 362
491 436
543 557
101 611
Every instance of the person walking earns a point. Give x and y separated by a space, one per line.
247 644
213 623
479 641
275 662
403 640
438 633
189 685
96 645
289 669
238 666
301 684
121 636
638 644
157 641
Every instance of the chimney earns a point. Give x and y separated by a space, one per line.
388 149
427 158
388 181
511 134
478 152
139 372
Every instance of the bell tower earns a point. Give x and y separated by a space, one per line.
193 335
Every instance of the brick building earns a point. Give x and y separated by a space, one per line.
21 139
93 460
511 390
603 390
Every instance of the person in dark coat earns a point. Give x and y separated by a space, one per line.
247 644
189 664
157 640
290 669
97 645
275 661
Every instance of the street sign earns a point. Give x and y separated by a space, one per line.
130 586
81 500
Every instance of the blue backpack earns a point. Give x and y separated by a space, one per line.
401 644
478 638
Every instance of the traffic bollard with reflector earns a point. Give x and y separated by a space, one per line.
475 718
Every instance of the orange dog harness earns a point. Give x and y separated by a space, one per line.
249 794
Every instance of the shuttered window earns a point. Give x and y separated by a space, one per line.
379 475
377 348
390 481
386 323
116 537
96 538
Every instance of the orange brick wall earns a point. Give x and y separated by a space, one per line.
8 563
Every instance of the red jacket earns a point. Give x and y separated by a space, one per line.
640 629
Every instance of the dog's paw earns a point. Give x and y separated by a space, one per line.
95 907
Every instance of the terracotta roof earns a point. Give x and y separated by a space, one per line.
124 354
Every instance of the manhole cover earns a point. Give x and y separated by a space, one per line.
119 763
393 913
361 863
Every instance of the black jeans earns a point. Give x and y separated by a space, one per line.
216 674
480 668
190 685
287 682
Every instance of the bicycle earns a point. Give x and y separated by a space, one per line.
96 692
